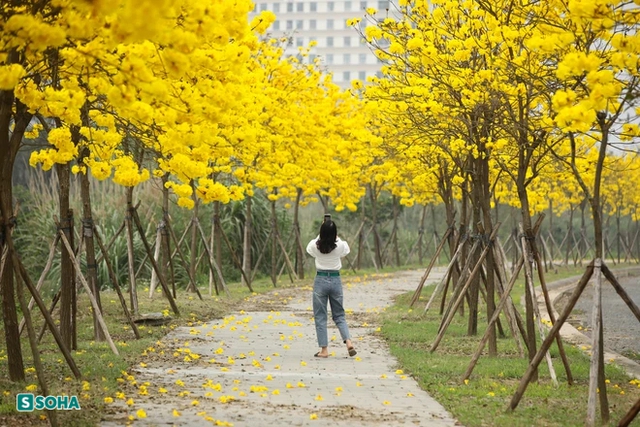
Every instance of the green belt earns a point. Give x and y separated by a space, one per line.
328 273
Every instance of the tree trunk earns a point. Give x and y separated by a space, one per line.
9 313
296 229
396 251
166 264
361 234
193 248
421 230
67 274
474 290
274 245
246 242
618 231
489 261
9 145
569 236
133 293
87 230
374 217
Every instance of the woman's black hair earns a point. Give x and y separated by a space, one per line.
328 235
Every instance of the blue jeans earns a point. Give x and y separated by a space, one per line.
328 288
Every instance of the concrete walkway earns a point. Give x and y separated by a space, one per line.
256 368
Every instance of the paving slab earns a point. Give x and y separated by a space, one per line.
256 368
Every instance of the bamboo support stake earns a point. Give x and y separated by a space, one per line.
447 274
113 239
114 281
48 319
463 291
510 309
546 344
532 292
418 291
596 321
260 255
234 257
43 275
131 263
56 299
630 416
552 317
192 281
621 292
51 415
212 262
286 257
157 246
87 289
284 264
456 291
496 314
163 282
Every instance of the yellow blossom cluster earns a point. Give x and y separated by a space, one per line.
186 91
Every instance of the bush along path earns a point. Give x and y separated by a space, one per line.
256 368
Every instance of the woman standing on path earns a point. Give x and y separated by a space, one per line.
328 249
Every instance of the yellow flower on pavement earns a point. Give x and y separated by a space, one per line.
108 399
386 402
141 413
313 416
176 413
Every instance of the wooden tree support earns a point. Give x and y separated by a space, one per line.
260 256
459 291
183 261
532 293
517 331
546 344
22 272
630 416
234 257
496 314
87 289
43 275
33 343
115 283
447 274
133 296
464 289
418 291
552 316
213 265
163 283
597 386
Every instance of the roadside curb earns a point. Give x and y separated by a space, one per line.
572 335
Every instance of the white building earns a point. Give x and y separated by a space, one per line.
340 48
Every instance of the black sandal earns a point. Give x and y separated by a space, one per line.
352 351
322 357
